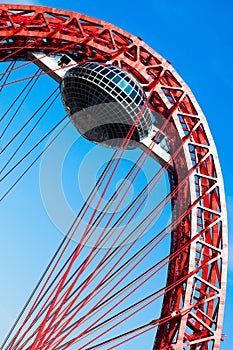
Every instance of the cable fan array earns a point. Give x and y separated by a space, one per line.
92 297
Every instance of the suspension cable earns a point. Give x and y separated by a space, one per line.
9 68
165 289
25 139
35 160
54 256
67 238
12 64
121 151
35 78
126 144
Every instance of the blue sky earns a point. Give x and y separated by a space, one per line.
196 36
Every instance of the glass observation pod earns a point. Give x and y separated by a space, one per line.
104 101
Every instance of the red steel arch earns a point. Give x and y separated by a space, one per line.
30 28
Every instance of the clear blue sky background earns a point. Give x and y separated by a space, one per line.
196 36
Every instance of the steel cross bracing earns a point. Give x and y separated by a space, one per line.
26 29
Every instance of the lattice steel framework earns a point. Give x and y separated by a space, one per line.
30 28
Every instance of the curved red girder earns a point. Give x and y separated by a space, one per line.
32 28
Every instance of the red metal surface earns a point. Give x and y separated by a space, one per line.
24 28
